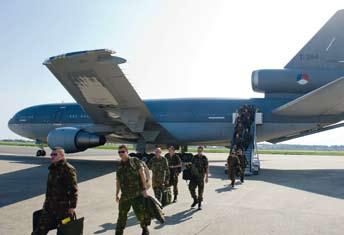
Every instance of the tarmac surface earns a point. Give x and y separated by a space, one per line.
291 195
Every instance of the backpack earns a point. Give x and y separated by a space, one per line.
147 173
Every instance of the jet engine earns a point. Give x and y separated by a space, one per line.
292 81
73 139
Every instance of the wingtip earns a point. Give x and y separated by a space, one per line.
77 53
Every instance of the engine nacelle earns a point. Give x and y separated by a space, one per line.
292 80
73 140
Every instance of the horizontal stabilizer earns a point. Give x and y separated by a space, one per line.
326 100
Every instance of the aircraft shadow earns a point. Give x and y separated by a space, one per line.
328 182
23 184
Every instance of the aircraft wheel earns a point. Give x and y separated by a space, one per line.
39 153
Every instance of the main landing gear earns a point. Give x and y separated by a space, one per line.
40 152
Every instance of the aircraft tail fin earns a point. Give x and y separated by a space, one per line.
326 49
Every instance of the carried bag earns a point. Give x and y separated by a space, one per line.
74 227
187 174
35 220
166 196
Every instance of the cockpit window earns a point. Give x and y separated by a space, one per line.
25 118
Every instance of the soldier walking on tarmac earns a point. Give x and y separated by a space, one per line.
61 195
199 175
131 182
175 165
161 173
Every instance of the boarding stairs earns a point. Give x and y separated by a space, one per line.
248 141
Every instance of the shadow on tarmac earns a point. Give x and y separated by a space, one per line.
27 183
112 226
328 182
177 218
169 220
23 184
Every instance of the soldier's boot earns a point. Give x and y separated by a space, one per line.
194 203
145 231
232 184
175 198
119 232
242 179
200 205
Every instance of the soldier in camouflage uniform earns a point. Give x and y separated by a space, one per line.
175 165
199 174
243 162
131 181
61 195
233 164
161 173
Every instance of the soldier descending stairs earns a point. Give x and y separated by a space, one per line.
244 140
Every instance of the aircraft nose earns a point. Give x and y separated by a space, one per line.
11 123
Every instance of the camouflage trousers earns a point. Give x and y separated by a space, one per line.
231 175
233 171
49 220
158 191
174 183
139 209
242 167
194 183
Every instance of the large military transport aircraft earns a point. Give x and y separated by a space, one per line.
303 98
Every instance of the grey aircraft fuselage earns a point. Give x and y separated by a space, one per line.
188 121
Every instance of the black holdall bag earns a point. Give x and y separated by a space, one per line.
35 220
187 175
74 227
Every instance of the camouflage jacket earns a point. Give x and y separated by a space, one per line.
199 166
129 178
160 169
173 160
233 162
62 188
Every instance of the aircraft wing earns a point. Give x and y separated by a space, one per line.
326 100
97 83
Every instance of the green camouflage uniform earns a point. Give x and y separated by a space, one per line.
199 167
233 164
243 163
161 174
129 179
61 194
174 172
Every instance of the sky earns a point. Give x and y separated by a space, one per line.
174 48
